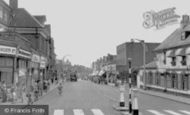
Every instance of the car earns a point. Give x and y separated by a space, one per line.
73 77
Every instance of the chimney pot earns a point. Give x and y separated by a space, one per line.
185 21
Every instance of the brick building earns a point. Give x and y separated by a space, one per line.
26 47
134 51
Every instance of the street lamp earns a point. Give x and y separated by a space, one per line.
144 58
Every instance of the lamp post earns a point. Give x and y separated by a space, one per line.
144 59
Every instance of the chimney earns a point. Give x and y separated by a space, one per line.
13 4
185 21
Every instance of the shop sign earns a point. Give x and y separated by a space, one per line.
24 53
160 19
43 61
7 50
36 58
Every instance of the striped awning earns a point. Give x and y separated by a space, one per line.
182 52
172 53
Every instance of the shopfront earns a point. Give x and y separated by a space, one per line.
23 63
35 68
43 62
7 55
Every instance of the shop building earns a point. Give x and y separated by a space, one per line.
15 59
173 62
26 46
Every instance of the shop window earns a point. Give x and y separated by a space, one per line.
174 81
184 60
157 80
1 12
0 76
184 82
173 62
150 79
6 62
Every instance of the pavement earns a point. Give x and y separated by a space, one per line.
177 98
172 97
18 102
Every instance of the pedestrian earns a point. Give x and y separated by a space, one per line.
29 96
4 91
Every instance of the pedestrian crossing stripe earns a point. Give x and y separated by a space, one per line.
97 112
58 112
170 112
78 112
155 112
186 112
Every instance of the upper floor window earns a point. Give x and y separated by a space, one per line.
184 60
164 61
173 62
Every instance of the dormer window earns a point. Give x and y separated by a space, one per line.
185 35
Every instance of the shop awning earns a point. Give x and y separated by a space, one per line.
172 54
182 52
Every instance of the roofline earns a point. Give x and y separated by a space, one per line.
160 50
32 17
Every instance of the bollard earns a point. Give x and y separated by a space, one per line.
121 106
135 107
122 100
135 103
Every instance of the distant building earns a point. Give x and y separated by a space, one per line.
134 51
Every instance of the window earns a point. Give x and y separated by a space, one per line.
164 61
157 80
183 61
174 80
150 78
173 62
185 35
1 12
184 82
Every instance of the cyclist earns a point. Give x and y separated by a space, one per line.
60 87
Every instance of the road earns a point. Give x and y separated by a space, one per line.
87 98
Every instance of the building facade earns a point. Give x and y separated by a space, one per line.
26 47
173 62
134 51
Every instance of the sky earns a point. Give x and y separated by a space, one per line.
85 30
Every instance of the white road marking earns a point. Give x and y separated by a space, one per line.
78 112
172 112
58 112
97 112
184 111
155 112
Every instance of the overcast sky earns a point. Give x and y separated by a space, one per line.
89 29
